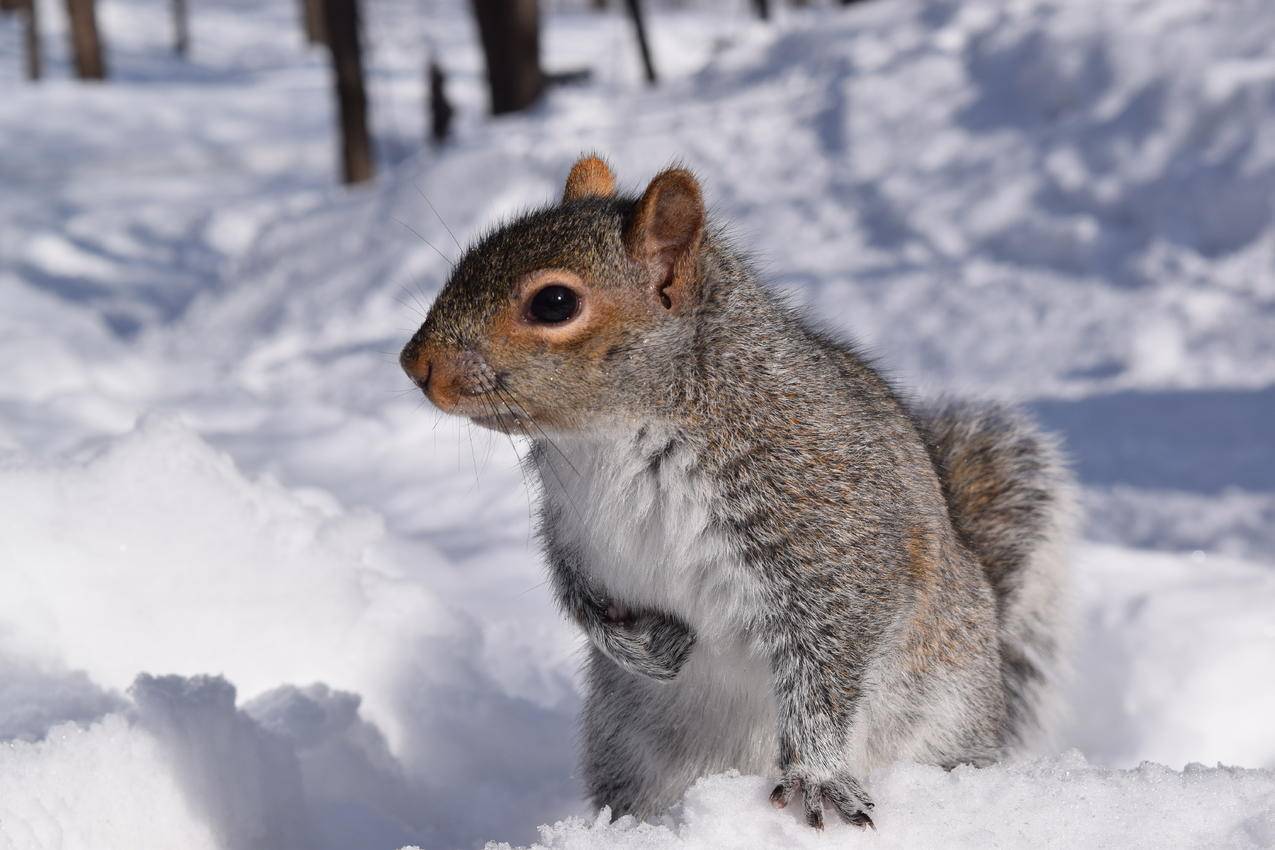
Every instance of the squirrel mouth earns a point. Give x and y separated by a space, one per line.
505 423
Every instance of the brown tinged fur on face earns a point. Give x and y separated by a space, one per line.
635 264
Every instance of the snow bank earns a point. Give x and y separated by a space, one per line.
372 717
107 786
180 766
1056 803
155 553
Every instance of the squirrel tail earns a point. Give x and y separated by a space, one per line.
1012 499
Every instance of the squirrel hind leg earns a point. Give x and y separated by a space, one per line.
1012 500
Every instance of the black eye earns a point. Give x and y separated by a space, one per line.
553 305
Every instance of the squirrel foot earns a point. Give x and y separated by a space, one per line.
843 791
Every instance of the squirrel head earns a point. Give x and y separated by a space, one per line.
556 320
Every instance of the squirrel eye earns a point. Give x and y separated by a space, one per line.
553 305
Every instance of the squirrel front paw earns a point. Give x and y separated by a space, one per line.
647 643
842 791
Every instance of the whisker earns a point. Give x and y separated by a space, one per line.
449 260
473 456
417 304
416 183
533 587
407 306
522 465
553 468
501 387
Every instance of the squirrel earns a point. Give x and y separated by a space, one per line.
782 566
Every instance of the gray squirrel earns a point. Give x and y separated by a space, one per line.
781 566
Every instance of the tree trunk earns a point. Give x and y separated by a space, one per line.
31 37
86 46
510 33
440 108
312 16
644 47
181 28
342 24
763 9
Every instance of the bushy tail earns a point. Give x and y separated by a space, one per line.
1012 499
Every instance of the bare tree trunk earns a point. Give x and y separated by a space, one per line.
440 108
31 36
181 28
510 33
86 46
342 24
639 28
312 16
763 9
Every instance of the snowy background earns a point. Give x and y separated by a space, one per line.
253 594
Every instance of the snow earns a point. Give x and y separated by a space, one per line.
107 785
1060 803
252 594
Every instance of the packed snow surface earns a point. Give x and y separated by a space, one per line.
254 595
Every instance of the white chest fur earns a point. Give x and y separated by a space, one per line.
640 512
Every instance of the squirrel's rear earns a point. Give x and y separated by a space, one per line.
1011 499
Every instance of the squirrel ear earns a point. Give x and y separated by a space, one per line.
666 232
590 176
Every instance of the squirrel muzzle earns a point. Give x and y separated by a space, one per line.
446 377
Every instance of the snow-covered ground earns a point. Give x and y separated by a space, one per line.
254 595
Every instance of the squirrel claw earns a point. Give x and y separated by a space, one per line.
780 797
861 820
843 793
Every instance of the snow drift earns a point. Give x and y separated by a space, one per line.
1064 803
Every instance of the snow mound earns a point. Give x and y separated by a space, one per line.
1055 803
100 788
182 564
179 765
152 553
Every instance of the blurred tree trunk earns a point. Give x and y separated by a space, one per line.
181 28
31 37
440 108
341 21
763 9
86 45
312 20
510 33
644 47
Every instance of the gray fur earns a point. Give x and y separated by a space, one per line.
780 567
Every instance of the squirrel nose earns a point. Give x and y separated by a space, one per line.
437 372
415 362
421 378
